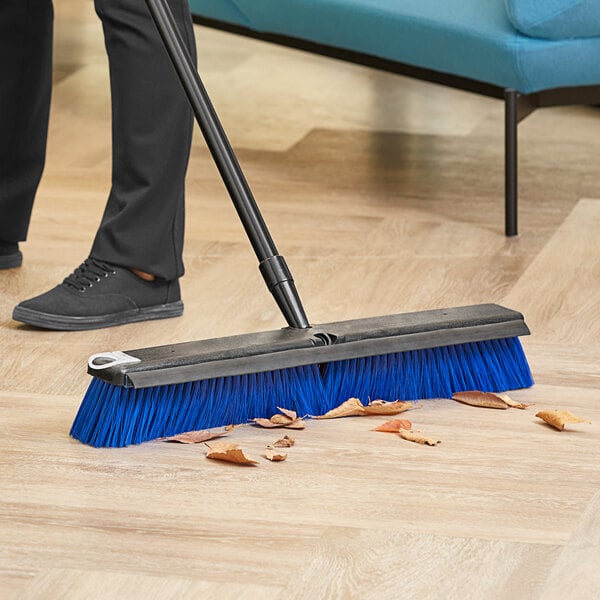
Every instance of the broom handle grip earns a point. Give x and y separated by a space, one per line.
272 265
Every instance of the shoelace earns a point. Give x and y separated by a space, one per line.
87 273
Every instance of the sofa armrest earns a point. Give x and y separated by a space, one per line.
555 19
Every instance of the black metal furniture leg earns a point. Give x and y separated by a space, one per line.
511 120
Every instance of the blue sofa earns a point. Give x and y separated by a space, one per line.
530 53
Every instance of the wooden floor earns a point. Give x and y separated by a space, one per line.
385 195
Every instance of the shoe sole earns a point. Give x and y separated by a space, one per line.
11 261
66 323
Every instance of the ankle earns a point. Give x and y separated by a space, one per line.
143 275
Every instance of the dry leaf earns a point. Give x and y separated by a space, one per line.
415 436
266 423
512 403
290 414
229 453
297 424
558 418
281 420
274 455
394 426
350 408
284 422
287 441
381 407
194 437
288 419
482 399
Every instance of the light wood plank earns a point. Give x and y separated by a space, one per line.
376 564
82 585
560 287
575 573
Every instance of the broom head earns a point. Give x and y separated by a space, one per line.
142 394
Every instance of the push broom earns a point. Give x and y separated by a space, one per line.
139 395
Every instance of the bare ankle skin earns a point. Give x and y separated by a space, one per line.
143 275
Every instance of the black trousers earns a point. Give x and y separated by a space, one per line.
143 223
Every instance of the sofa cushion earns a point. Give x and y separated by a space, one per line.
469 38
555 19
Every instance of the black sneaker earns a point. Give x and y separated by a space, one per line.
98 295
10 255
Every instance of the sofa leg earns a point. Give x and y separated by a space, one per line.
511 120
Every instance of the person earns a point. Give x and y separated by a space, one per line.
133 269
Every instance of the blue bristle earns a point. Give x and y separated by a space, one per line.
114 416
489 366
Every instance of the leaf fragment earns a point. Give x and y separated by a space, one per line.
287 418
559 418
349 408
512 403
290 414
381 407
297 424
287 441
482 399
281 420
229 453
266 423
394 426
274 455
415 436
194 437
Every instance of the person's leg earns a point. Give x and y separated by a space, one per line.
25 87
142 227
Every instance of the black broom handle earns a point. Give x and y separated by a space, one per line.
271 264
